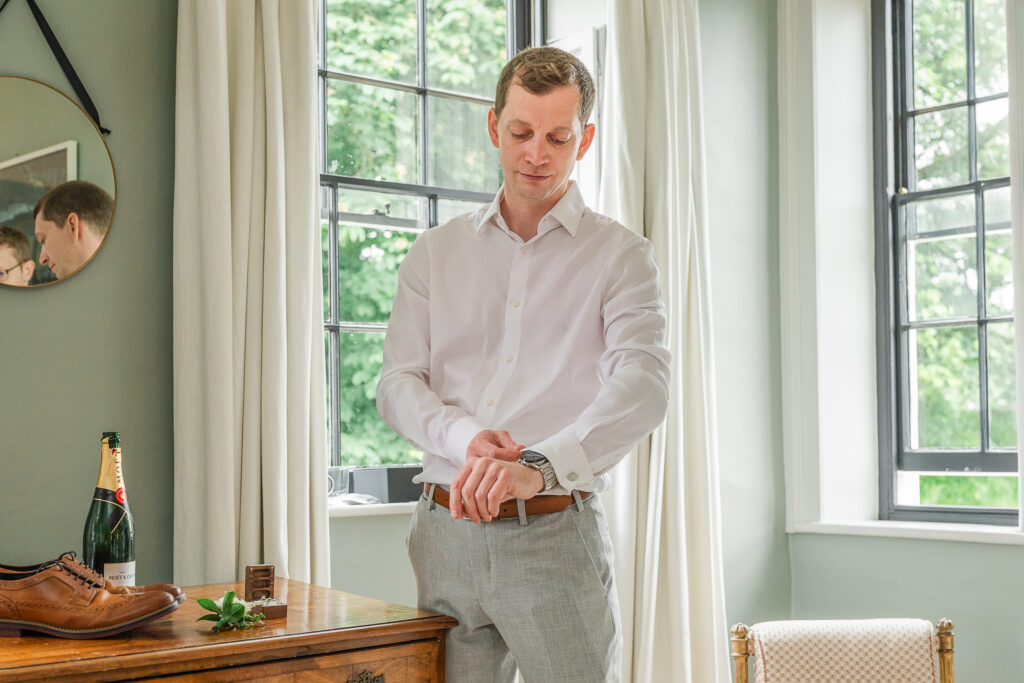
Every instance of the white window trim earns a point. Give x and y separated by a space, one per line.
827 281
335 508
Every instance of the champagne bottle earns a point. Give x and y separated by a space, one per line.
108 543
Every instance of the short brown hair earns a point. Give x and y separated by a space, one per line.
91 202
16 240
542 69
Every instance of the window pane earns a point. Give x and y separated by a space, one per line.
448 209
461 154
998 252
466 45
942 278
327 383
375 39
993 139
944 396
989 47
368 260
997 209
998 273
381 206
1002 390
977 490
365 439
940 52
940 148
942 213
371 132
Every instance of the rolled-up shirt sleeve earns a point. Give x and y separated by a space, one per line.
634 373
405 400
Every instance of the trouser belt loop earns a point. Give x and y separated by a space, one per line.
430 496
579 500
521 507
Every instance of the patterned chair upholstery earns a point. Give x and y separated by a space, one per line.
846 650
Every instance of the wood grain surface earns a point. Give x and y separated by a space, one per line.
320 621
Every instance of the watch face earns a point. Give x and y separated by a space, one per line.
532 457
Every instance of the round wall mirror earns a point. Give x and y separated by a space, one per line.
57 185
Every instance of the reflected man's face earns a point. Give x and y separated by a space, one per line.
59 251
12 272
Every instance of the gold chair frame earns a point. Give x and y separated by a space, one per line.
741 651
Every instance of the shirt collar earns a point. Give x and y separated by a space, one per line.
566 213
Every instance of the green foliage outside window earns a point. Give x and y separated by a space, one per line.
373 133
943 273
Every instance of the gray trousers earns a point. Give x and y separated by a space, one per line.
541 596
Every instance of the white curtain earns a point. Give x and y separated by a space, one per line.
250 465
1015 59
669 564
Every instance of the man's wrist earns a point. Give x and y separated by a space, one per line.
542 465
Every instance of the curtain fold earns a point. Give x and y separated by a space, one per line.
1015 63
250 459
654 178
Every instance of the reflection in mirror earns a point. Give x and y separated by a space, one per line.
57 185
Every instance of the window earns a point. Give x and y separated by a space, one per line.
946 298
405 88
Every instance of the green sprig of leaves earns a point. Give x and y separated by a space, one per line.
229 613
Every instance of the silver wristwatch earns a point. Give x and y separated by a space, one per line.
536 461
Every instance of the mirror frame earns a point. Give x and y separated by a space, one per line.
113 170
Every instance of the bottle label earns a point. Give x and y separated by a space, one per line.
119 573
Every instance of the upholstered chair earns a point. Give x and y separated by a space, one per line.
877 650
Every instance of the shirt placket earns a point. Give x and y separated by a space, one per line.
511 338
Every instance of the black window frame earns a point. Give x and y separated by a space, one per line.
893 112
526 26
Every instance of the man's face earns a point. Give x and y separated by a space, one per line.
16 274
539 138
59 249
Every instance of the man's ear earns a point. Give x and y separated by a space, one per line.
492 126
588 137
28 268
74 223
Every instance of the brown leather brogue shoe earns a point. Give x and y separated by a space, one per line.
69 556
64 598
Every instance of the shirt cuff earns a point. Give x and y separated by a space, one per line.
572 468
459 436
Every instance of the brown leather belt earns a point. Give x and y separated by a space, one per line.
538 505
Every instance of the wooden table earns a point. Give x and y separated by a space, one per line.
327 635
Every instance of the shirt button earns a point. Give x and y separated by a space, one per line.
490 401
509 359
522 250
572 476
515 303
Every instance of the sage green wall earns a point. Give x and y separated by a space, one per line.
93 352
738 49
976 585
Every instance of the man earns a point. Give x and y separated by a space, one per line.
71 221
16 264
525 357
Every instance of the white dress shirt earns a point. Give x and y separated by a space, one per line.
559 340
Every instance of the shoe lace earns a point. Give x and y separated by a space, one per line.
70 563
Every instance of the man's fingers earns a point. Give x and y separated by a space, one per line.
505 440
468 493
506 454
484 492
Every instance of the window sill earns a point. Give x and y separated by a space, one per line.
335 508
970 533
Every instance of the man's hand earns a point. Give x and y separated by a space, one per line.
491 476
485 483
491 444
